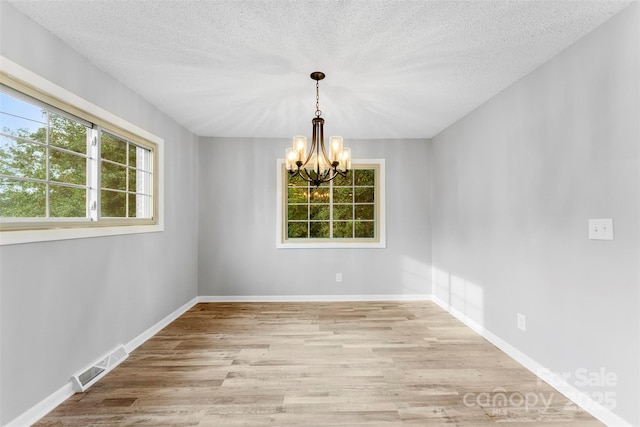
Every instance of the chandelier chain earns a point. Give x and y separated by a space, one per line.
318 112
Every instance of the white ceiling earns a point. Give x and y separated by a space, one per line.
395 69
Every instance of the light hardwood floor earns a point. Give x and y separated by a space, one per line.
318 364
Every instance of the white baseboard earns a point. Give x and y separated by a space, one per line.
140 339
42 408
312 298
581 399
39 410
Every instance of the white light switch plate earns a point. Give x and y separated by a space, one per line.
522 322
601 229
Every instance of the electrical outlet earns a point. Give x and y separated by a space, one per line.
338 277
601 229
522 322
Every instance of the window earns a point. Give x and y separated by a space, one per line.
46 161
345 212
43 162
67 166
126 177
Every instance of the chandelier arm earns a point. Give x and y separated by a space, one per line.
334 174
332 164
304 174
319 145
305 164
310 178
324 153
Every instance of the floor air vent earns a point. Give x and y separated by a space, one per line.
89 376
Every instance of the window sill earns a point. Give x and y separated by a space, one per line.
18 237
330 245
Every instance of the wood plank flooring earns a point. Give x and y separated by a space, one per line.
318 364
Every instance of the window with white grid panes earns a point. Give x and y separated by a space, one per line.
126 178
57 169
346 209
43 161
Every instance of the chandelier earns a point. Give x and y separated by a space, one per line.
317 166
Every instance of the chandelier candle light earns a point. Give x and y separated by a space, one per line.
317 167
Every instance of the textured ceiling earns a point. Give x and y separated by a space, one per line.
395 69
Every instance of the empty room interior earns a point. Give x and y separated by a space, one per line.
182 242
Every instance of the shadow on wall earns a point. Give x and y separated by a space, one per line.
416 277
459 295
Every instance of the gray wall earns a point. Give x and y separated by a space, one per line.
514 185
237 253
66 303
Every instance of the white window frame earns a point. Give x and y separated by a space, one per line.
16 72
378 243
